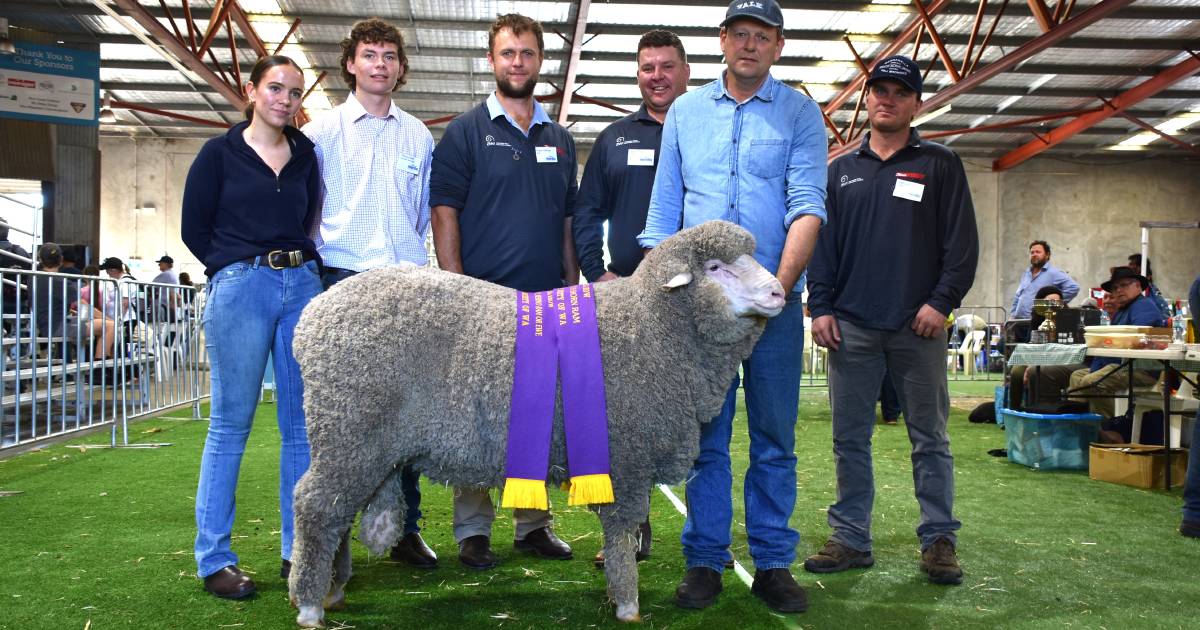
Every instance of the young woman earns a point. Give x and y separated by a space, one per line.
251 198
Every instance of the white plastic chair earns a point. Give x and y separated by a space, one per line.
969 351
1183 406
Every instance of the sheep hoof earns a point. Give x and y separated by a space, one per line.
311 617
628 613
336 599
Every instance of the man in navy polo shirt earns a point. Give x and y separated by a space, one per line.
896 257
619 176
502 190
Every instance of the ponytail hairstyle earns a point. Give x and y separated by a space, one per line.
260 68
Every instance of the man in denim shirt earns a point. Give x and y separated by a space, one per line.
750 150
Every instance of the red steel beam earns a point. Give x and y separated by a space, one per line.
937 41
1165 136
291 31
893 48
188 58
251 35
1005 125
581 18
220 12
191 24
1042 14
171 19
971 39
987 39
159 112
1093 14
1120 103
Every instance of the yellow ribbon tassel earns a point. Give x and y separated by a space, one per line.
590 489
526 493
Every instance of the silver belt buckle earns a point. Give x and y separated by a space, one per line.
271 258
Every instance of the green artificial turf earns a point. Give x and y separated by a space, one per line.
102 538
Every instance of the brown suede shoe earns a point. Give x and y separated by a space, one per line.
643 550
542 542
230 583
835 556
941 563
413 551
475 552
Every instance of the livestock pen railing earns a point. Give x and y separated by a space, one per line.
82 353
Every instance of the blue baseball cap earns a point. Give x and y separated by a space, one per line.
765 11
900 69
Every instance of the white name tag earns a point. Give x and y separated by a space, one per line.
547 155
640 157
408 164
911 191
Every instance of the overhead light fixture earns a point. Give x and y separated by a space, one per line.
924 118
6 42
106 113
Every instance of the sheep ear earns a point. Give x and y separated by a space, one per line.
682 278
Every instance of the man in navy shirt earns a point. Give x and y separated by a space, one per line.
619 175
502 190
896 257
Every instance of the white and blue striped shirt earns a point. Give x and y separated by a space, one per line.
376 187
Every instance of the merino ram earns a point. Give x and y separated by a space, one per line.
414 366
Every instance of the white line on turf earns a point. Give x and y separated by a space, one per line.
738 569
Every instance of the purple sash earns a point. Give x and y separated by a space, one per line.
557 328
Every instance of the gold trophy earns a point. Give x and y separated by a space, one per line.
1048 331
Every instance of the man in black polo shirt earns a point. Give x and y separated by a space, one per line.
619 175
502 188
896 257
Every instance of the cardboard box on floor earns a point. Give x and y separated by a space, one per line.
1138 465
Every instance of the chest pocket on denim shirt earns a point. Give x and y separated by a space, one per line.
767 158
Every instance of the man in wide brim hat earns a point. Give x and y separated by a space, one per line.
1124 273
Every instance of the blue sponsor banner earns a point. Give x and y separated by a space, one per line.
50 84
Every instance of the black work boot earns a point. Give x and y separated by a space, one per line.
699 588
779 590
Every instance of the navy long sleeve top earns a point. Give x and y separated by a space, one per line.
235 207
616 187
901 234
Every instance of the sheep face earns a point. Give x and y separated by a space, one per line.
750 288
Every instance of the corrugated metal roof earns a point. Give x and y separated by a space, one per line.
446 42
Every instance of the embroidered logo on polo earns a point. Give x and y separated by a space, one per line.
846 181
490 140
621 141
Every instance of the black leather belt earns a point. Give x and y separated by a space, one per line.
279 259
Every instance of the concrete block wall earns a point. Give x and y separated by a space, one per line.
140 173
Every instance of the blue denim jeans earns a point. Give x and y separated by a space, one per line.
409 478
917 367
251 311
772 388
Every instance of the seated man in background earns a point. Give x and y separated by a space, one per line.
1126 286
